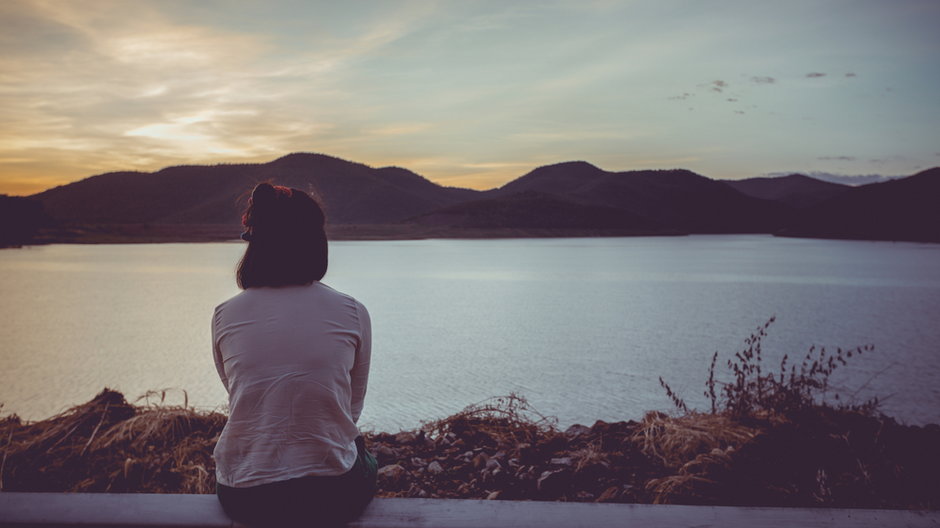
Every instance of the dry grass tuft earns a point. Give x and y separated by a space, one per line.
110 445
677 441
505 420
693 446
591 455
665 490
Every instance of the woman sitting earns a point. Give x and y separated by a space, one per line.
294 356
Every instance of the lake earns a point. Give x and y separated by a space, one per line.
583 328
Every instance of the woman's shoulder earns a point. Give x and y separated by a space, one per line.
252 297
348 304
317 292
235 300
329 291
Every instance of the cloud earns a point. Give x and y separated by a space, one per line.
852 179
25 31
886 159
110 86
815 75
763 80
837 158
399 129
103 85
718 86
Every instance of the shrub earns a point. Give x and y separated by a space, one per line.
756 391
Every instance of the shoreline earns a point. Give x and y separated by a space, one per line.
502 449
193 233
92 234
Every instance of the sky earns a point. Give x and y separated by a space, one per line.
469 93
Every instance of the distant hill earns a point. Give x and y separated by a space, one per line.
351 193
679 199
852 180
903 209
20 220
795 190
565 199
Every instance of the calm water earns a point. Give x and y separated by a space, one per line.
581 327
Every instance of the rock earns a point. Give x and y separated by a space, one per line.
528 454
424 439
493 464
593 470
526 473
553 483
600 427
584 496
555 443
405 437
494 495
418 462
391 473
577 430
435 468
415 491
383 453
561 461
480 460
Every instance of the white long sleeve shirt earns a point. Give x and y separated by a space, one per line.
295 361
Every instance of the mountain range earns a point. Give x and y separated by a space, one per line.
566 199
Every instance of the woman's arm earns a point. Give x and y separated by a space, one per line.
216 352
359 375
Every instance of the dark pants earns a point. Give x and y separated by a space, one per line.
306 501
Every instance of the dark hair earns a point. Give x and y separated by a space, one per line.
285 230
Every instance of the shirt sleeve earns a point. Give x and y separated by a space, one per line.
359 375
216 352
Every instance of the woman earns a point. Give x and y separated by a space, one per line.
294 356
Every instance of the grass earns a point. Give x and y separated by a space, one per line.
109 445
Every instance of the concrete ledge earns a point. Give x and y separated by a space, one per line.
198 511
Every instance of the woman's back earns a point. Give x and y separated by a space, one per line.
295 361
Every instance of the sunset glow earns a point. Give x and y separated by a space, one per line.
468 94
